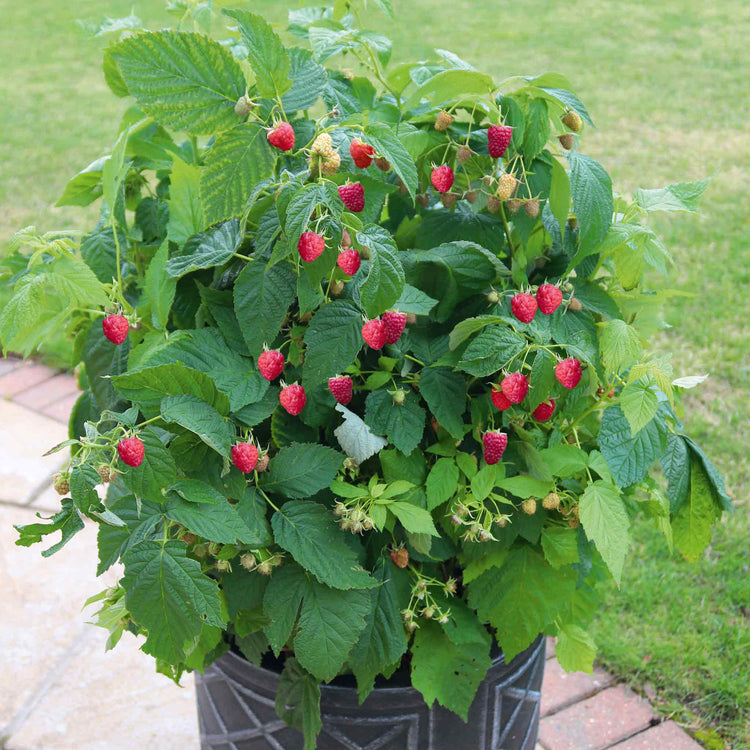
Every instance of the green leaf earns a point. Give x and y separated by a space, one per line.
445 393
536 132
491 350
67 520
560 545
591 295
266 54
415 301
204 511
205 350
355 437
330 624
299 211
183 80
675 464
332 340
159 579
522 597
156 472
682 196
85 187
718 489
402 424
591 190
525 486
160 288
575 649
298 701
385 279
606 523
76 283
148 386
447 672
237 161
281 603
206 249
114 170
103 360
541 379
201 419
449 85
185 209
569 99
308 80
564 460
559 194
619 344
301 470
691 525
383 640
414 519
262 296
387 144
309 533
99 252
442 482
639 403
629 457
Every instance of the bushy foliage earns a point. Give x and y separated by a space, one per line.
363 358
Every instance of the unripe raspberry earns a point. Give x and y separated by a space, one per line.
552 501
514 205
399 396
265 568
493 204
400 557
573 121
411 319
248 561
322 144
574 304
339 509
383 164
531 207
463 154
330 163
411 626
106 472
443 121
189 538
61 483
493 297
223 566
423 199
567 141
448 200
428 613
262 464
337 288
528 506
573 522
346 239
470 196
506 186
243 107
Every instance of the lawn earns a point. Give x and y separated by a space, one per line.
665 86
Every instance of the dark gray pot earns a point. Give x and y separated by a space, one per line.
236 711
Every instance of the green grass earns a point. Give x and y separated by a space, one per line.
665 86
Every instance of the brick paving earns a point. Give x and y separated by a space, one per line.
47 641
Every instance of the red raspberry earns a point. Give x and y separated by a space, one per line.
116 328
375 333
498 138
349 261
442 178
270 364
515 387
131 451
310 246
341 388
352 196
568 372
523 307
293 398
362 153
549 298
494 444
499 399
245 456
282 136
545 410
395 322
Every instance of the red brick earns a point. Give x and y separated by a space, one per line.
667 736
60 409
609 717
561 688
24 377
48 392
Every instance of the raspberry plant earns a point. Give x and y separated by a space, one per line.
382 387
